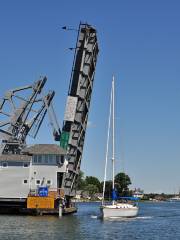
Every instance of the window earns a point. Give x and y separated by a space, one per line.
42 158
25 181
25 165
62 159
49 182
57 159
38 182
35 158
50 158
4 164
46 158
39 159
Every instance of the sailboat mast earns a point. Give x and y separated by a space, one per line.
113 135
107 147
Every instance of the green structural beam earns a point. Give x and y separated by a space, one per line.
64 140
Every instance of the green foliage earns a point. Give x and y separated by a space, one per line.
91 189
122 181
108 189
92 185
93 181
80 181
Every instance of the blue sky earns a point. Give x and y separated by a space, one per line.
139 43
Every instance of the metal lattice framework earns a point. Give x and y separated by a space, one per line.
22 115
78 102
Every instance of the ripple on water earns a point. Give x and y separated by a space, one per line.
155 221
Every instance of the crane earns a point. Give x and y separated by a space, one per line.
23 115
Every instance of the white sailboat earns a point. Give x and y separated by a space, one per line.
115 209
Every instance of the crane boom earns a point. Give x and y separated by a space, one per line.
23 115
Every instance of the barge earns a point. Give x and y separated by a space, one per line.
31 183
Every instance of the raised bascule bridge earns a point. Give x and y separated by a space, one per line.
41 179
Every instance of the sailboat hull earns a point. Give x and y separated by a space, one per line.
119 210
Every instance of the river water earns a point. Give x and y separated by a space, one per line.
155 221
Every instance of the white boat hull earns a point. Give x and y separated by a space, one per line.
119 210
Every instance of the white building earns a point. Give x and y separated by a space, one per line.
40 165
138 193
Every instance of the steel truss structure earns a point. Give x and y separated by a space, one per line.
78 102
23 115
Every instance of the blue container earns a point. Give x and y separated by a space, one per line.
43 191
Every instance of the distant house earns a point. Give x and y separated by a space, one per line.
85 195
98 196
78 194
137 192
39 165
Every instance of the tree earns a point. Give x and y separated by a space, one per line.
91 189
80 182
108 189
122 181
93 181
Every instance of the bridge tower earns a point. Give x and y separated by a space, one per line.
78 103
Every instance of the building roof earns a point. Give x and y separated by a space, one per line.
45 149
14 157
